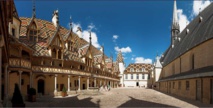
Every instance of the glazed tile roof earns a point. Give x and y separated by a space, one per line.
199 32
139 66
47 31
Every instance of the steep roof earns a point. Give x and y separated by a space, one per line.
139 66
46 33
199 32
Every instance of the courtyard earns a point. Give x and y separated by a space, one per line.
118 97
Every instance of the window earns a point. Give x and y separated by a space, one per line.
131 70
187 85
131 76
13 32
137 76
173 85
192 61
179 85
143 77
33 32
142 69
137 70
126 76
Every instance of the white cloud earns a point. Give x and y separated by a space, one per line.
85 33
115 37
132 58
142 60
75 26
199 5
123 50
182 19
91 26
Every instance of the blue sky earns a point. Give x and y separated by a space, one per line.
142 27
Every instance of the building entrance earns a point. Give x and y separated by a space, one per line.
41 86
137 83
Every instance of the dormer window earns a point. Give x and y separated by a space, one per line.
131 70
13 32
53 53
33 32
143 69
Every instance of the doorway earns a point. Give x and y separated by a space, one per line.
137 83
41 86
84 86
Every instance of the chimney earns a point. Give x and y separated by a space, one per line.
55 19
101 49
79 32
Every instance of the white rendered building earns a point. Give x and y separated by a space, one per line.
137 74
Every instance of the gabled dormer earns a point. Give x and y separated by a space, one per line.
33 31
56 45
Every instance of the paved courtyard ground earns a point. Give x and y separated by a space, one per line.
118 97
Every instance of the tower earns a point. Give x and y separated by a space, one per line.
175 29
157 69
121 67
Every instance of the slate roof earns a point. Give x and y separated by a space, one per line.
199 32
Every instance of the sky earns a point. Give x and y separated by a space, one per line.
140 29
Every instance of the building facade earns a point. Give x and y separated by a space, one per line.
48 57
187 63
137 75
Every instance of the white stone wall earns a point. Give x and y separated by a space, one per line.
121 68
132 82
157 73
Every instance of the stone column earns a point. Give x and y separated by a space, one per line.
94 82
68 83
31 79
20 72
79 83
6 90
88 83
55 83
100 82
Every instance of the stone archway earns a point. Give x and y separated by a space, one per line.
41 85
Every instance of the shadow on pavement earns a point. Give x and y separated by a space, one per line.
73 101
190 101
141 103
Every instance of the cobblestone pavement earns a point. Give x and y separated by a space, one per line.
118 97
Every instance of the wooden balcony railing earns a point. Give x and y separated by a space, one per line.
45 69
18 62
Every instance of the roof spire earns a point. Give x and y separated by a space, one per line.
90 38
70 23
175 30
34 9
175 18
120 57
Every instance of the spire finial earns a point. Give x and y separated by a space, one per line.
34 9
175 18
90 38
70 22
